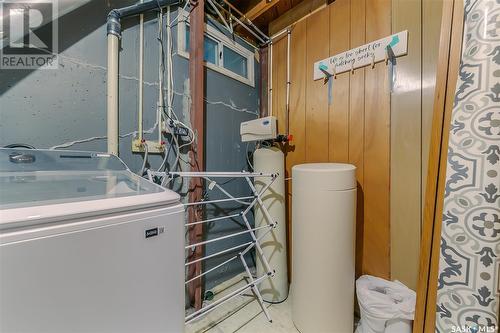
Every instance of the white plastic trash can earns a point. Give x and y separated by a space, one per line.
385 306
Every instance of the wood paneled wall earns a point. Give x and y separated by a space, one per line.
411 114
356 125
406 147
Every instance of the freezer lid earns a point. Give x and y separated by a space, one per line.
39 180
30 160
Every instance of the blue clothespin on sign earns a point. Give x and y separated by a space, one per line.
390 59
324 69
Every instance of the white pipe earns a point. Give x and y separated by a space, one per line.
141 76
263 35
278 34
161 101
288 81
169 64
222 18
112 90
250 31
146 152
284 30
270 81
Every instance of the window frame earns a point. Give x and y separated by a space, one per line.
222 40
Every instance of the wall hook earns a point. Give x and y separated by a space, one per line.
389 55
373 60
352 67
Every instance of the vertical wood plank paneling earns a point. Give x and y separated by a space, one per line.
376 256
339 105
295 152
357 122
357 127
451 84
406 138
317 44
432 178
431 26
279 83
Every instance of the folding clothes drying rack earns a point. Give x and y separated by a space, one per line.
251 202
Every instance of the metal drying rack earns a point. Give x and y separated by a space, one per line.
251 202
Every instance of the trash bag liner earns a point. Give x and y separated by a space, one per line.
384 304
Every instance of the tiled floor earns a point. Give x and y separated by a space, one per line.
243 314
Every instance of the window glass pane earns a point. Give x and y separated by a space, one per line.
235 62
210 48
186 43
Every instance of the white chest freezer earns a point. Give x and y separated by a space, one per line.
87 246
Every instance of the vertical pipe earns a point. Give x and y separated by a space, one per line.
270 106
289 33
112 88
141 76
263 77
169 64
161 71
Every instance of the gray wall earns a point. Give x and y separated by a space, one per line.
45 108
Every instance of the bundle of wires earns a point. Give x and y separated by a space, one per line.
168 116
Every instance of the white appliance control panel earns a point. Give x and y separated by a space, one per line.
259 129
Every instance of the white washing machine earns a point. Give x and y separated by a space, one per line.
87 246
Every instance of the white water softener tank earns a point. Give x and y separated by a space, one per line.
323 234
272 160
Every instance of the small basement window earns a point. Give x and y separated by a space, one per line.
221 53
235 62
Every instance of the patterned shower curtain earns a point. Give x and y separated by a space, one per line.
468 284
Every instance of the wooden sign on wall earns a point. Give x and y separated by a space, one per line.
361 56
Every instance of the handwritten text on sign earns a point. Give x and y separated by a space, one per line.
363 55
